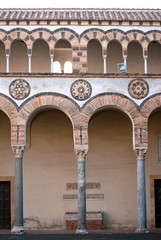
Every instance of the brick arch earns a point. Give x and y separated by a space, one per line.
3 35
41 34
93 33
150 104
117 101
9 108
51 100
66 33
153 35
17 34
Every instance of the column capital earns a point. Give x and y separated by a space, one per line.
18 150
140 153
81 153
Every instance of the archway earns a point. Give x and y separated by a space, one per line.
63 52
49 165
40 57
111 162
94 57
18 57
2 57
154 57
6 174
114 56
153 165
135 61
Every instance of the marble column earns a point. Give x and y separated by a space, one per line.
29 57
52 63
141 191
7 65
104 62
81 154
18 227
125 62
145 65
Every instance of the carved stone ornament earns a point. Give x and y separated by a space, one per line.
81 90
138 88
18 150
19 89
140 153
81 154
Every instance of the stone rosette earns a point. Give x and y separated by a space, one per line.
19 89
138 88
81 90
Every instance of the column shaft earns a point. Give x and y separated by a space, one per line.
141 191
52 64
81 193
145 65
18 224
7 65
104 62
29 57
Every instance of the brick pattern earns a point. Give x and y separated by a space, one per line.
78 43
90 225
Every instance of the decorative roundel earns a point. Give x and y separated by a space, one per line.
81 90
19 89
138 88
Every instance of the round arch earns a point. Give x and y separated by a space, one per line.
47 101
117 101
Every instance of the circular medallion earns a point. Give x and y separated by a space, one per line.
19 89
81 90
138 88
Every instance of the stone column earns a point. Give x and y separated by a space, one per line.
29 57
145 65
81 192
7 65
125 62
104 62
52 64
18 227
141 191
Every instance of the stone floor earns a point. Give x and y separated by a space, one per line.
98 235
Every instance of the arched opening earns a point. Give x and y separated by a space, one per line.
153 166
135 61
94 57
154 57
67 67
49 164
63 52
7 173
40 57
57 67
114 56
18 56
111 162
2 57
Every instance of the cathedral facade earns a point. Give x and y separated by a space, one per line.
80 112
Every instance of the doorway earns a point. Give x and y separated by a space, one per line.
157 185
5 206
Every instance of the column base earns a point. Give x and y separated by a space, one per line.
142 230
18 230
81 231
